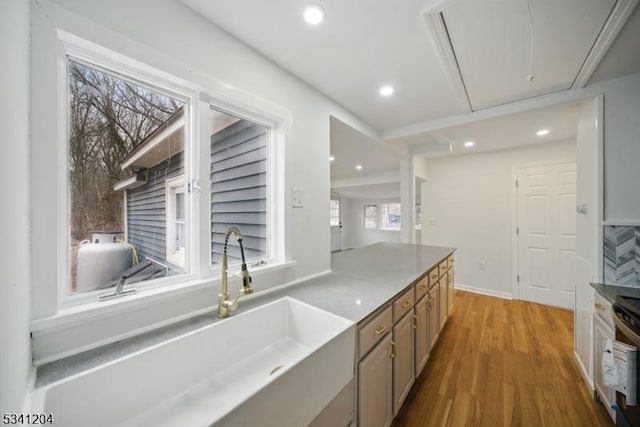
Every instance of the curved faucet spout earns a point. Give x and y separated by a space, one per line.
225 306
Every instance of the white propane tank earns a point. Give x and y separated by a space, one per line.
102 260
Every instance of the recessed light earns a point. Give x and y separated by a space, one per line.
386 90
313 14
469 144
542 132
331 158
359 167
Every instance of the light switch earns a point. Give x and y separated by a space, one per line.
296 197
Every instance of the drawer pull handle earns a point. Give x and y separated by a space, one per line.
406 304
599 306
423 287
380 330
393 350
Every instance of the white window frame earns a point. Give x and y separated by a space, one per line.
275 194
174 255
125 68
375 218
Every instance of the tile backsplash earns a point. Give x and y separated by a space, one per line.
622 255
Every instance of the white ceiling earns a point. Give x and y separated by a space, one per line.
350 148
509 131
492 45
364 44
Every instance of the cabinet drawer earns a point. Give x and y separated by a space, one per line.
373 331
422 287
602 307
403 304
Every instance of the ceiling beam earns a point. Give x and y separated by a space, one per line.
440 36
556 98
619 15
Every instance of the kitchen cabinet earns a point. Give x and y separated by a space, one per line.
403 360
422 343
603 328
395 342
375 386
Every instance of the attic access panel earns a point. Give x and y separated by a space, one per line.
491 42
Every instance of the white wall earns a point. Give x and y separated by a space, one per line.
15 353
359 236
167 35
468 201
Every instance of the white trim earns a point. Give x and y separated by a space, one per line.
583 371
483 291
440 36
599 183
618 16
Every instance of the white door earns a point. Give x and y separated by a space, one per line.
335 222
546 234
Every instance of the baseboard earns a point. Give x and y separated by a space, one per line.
483 291
585 375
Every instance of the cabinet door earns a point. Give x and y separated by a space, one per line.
450 291
403 354
375 386
421 319
432 308
602 331
443 301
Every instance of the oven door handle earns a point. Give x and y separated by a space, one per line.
624 327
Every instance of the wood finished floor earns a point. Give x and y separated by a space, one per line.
502 363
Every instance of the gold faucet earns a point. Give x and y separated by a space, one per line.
225 305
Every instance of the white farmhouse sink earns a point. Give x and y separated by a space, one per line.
276 365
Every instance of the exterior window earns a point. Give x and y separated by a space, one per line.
176 223
370 216
390 216
239 175
334 212
126 142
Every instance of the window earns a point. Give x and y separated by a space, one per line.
239 176
390 216
144 188
176 223
418 216
126 143
334 212
370 216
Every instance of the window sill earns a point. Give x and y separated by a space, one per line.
69 317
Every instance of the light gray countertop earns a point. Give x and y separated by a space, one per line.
361 281
611 291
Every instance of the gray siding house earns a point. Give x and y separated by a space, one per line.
155 220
